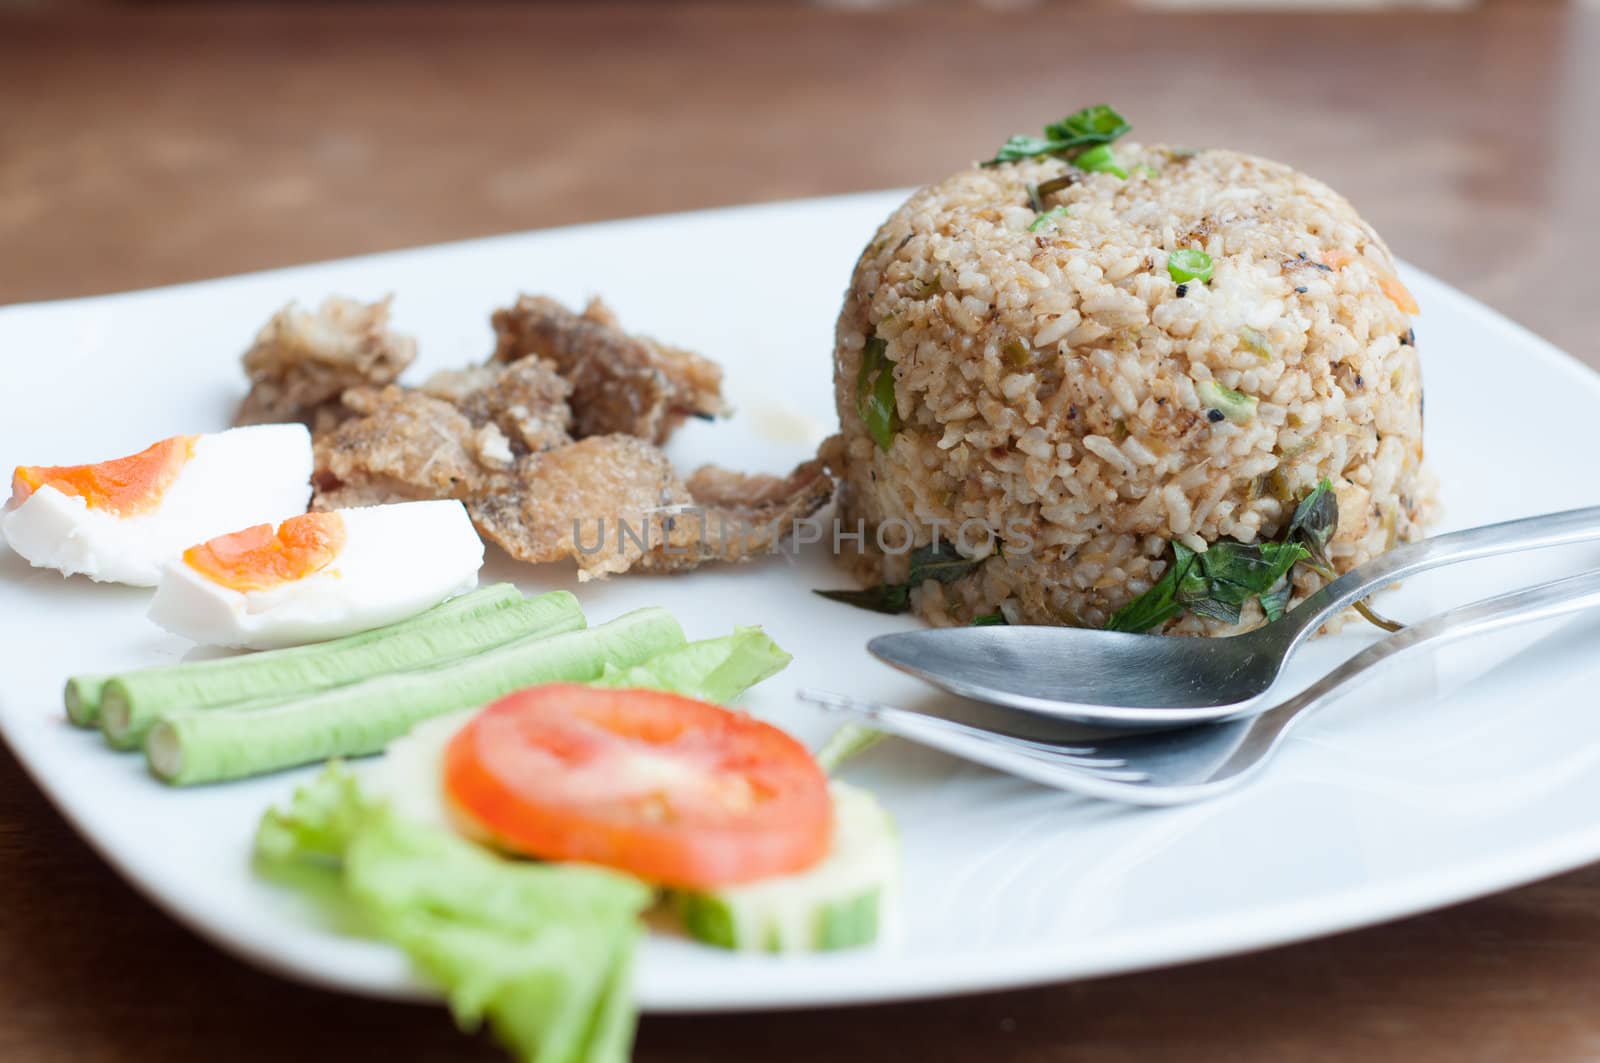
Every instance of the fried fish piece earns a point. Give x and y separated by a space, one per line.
621 383
599 501
736 516
614 502
402 445
526 401
303 360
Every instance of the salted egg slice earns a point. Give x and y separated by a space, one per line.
119 521
319 575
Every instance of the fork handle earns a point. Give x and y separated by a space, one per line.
1543 602
1526 533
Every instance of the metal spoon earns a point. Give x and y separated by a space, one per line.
1110 678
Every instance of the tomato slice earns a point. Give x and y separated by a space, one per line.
674 790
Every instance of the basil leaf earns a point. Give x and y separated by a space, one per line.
942 562
1160 603
883 419
1216 609
1024 147
872 358
1236 572
989 620
1192 581
1096 125
875 393
1315 521
1215 584
1085 129
892 598
1276 601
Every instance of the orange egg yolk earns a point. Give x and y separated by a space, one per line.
122 486
259 558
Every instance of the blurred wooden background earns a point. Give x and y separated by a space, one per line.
166 145
1130 5
178 142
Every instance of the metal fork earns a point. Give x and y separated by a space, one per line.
1195 763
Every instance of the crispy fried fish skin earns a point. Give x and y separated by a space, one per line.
614 503
303 360
500 437
736 516
526 400
401 446
621 383
597 501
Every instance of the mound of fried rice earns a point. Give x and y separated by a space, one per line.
1050 382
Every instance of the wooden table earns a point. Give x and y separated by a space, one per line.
146 150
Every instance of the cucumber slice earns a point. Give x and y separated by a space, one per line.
846 901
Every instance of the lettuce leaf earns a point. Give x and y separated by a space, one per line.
715 670
323 818
542 952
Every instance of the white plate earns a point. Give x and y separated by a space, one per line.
1453 777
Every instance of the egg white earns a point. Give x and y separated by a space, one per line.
397 560
244 476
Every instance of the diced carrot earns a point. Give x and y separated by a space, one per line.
1399 294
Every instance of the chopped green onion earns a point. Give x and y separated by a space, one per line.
1256 343
1099 159
1225 402
1148 170
1189 264
1049 217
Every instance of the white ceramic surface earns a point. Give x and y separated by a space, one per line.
1452 777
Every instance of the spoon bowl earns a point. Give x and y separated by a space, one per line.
1104 678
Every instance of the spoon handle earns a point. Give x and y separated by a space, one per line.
1543 602
1409 559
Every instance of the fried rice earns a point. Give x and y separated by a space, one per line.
1055 387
